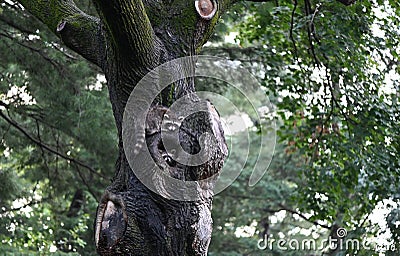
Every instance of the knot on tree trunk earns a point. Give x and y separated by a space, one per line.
189 146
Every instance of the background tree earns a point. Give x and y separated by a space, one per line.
335 163
332 72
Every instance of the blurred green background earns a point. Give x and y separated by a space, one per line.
331 73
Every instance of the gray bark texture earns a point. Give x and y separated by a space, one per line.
131 219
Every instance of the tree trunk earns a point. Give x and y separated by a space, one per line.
129 39
131 218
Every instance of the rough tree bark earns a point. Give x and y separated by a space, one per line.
127 40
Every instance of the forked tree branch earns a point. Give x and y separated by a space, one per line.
79 31
129 29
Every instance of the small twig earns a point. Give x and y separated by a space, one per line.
32 202
40 144
292 28
86 183
66 54
312 25
42 150
347 2
303 217
23 206
309 32
365 220
33 49
293 212
15 25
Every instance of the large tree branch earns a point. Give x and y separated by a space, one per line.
79 31
130 30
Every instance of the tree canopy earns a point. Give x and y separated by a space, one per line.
331 72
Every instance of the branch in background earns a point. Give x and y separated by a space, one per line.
66 54
28 32
76 204
4 104
32 202
292 27
79 31
12 5
312 24
42 150
347 2
304 217
256 54
44 146
89 188
11 23
284 208
307 5
35 50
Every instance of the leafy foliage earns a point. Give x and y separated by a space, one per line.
57 138
333 75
